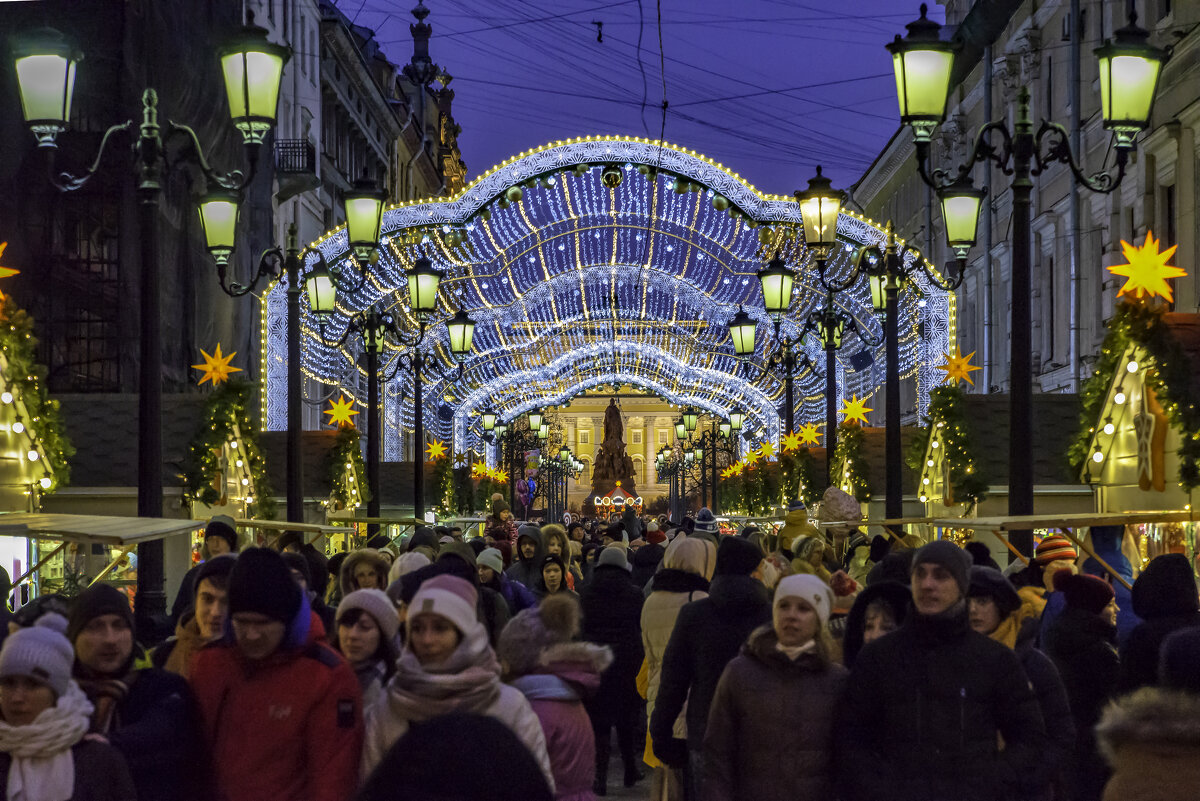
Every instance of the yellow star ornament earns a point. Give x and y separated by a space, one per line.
460 458
792 442
768 450
737 468
808 434
1147 271
435 450
751 457
340 411
855 411
958 367
216 367
501 476
480 469
6 272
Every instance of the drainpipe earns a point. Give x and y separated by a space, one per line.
1076 236
988 312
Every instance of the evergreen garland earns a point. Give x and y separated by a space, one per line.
1138 323
25 379
464 491
948 416
347 448
849 468
799 476
439 491
227 405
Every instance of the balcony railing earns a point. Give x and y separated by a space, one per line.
295 156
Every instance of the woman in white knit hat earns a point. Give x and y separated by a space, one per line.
447 666
770 728
43 756
365 633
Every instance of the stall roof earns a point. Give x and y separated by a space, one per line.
99 529
1071 521
347 516
283 525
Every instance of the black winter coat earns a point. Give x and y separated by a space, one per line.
921 714
612 616
645 563
1056 709
100 773
1164 597
1083 648
708 634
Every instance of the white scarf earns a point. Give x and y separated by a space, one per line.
43 768
793 652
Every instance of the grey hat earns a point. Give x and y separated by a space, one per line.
375 603
41 652
614 556
955 560
490 557
705 522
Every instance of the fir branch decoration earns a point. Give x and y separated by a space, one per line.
1140 324
26 380
849 467
347 449
799 476
948 418
226 413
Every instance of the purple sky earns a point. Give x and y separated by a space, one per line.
769 88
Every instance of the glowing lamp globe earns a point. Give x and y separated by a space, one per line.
321 290
364 216
535 419
462 333
1129 71
45 65
922 63
423 281
489 420
820 205
776 281
690 418
741 329
961 203
218 218
253 68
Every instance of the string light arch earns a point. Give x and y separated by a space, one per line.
600 260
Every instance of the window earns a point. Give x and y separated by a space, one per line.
663 436
1164 9
585 436
637 437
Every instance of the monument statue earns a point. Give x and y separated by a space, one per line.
612 464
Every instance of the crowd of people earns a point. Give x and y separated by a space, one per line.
803 663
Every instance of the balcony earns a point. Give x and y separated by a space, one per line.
295 167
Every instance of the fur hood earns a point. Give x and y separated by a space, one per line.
592 657
357 558
1150 717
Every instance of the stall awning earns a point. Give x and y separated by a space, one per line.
1027 522
99 529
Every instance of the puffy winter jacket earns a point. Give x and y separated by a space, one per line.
288 728
672 590
1164 597
528 571
612 614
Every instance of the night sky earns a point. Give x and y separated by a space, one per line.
769 88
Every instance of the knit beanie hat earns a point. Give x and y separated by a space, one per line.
614 556
376 604
498 505
655 537
955 560
40 652
554 621
29 614
491 558
705 522
797 505
222 526
261 582
988 582
450 597
737 557
808 587
97 600
552 559
298 563
1055 548
1088 593
839 506
458 550
406 563
218 567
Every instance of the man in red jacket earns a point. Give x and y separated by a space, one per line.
282 710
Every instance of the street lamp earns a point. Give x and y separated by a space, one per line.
690 418
680 430
46 65
423 282
462 333
218 217
741 329
1129 68
489 419
736 418
364 218
820 205
776 281
535 419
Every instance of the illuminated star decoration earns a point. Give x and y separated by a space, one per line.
792 442
436 450
767 451
500 475
479 469
460 458
751 457
216 367
1147 271
340 411
737 468
808 434
6 272
958 367
855 411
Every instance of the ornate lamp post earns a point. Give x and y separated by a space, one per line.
1129 69
46 65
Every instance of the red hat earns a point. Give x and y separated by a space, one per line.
1055 548
1085 592
655 537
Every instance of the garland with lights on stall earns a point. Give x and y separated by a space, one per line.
439 492
948 416
346 460
25 380
1136 323
799 468
226 414
849 469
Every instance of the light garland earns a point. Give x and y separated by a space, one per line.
946 447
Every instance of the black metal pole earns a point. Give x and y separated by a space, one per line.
151 599
713 474
789 409
419 437
894 504
373 432
830 406
1020 441
295 467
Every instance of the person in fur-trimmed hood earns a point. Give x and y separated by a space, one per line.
1151 738
539 658
363 569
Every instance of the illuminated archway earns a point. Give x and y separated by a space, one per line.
602 260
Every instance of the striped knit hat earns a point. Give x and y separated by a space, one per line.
1055 548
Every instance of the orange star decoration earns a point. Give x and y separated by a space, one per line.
855 411
768 450
737 468
958 367
1147 271
500 475
436 450
808 434
792 442
216 367
6 272
480 469
751 458
340 411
